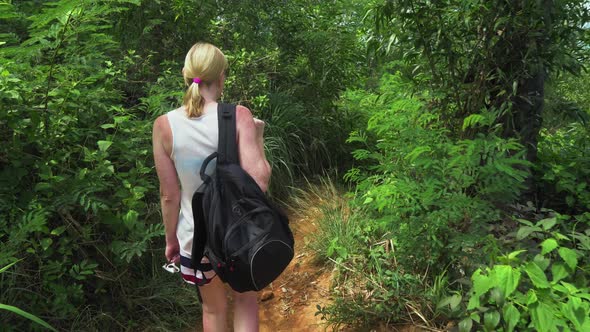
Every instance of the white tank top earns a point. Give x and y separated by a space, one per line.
193 140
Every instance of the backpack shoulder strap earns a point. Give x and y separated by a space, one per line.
227 148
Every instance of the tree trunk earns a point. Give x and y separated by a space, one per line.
528 105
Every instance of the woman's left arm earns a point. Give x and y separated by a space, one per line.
169 187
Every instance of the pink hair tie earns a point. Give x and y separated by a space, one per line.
196 80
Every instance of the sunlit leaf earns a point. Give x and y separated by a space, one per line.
536 275
569 256
548 246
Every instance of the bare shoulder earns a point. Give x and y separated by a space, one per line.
161 122
162 133
162 126
243 114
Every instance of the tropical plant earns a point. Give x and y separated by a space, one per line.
544 288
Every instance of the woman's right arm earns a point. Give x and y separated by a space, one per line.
251 147
169 187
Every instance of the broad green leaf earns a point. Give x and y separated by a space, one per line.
525 231
491 320
547 223
481 283
536 275
548 246
531 297
27 315
574 311
570 289
569 256
465 325
561 288
514 254
473 302
542 261
104 145
560 236
452 301
542 317
526 222
497 295
58 230
474 317
511 316
558 272
507 278
46 242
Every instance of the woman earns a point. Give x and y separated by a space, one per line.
182 139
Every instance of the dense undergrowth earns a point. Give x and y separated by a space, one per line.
432 233
460 126
473 206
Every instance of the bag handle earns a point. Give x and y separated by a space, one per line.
204 176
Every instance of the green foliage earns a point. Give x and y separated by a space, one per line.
450 144
420 183
539 288
21 312
76 172
564 168
564 154
481 54
438 147
339 229
371 287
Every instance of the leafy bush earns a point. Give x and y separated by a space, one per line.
427 201
564 168
370 285
543 287
421 183
77 182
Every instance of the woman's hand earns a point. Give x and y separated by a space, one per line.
259 124
172 250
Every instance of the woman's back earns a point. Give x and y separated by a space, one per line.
193 140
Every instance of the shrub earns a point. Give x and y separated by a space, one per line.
422 183
539 287
564 168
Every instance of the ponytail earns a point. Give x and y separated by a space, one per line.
193 101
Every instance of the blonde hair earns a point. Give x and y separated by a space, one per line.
206 62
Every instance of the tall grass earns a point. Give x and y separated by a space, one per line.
369 286
295 142
22 313
336 227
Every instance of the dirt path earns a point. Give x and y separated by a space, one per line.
290 302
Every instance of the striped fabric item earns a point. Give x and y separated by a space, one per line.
191 275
